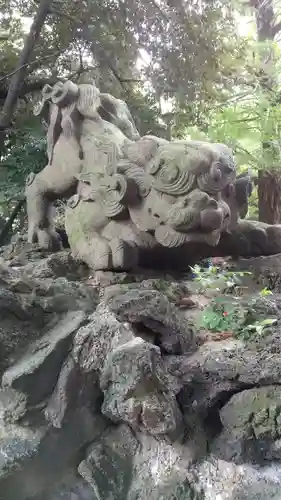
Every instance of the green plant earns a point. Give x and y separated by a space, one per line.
223 315
218 279
257 328
265 292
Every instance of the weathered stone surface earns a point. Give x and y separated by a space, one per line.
73 390
261 265
266 307
123 466
70 487
30 306
136 389
134 383
109 464
5 270
200 396
217 371
17 445
94 340
141 421
62 295
20 324
267 270
251 423
37 372
64 394
62 264
120 283
49 295
227 481
12 405
19 252
255 364
152 311
247 239
34 460
11 305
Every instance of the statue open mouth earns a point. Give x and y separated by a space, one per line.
169 237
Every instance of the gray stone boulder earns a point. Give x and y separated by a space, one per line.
13 405
49 410
17 446
251 426
227 481
70 487
61 295
29 307
33 460
244 365
131 374
122 465
59 265
20 324
19 252
36 373
150 310
74 389
109 394
267 270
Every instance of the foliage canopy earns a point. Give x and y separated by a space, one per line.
181 65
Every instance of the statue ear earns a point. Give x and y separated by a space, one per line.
250 188
243 188
243 211
107 109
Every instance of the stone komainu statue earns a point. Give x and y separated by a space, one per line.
125 192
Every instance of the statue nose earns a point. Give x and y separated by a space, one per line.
211 219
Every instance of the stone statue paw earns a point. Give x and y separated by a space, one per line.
124 254
47 239
98 254
115 254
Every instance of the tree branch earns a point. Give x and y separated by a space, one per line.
88 37
35 86
31 63
18 77
58 13
30 87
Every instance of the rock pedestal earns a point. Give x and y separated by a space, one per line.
108 392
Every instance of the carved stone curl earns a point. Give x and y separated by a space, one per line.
127 194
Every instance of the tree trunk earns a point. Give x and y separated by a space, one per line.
269 196
17 79
269 181
8 226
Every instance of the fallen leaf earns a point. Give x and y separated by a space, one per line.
222 336
186 302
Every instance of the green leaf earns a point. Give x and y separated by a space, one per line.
268 322
264 292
